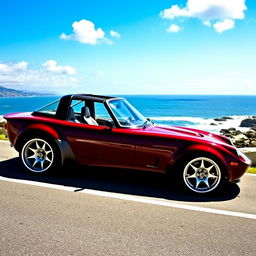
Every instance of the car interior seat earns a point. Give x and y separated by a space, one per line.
71 116
86 115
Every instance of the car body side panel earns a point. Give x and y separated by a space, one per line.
97 145
153 154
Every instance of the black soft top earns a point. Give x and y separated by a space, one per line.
64 104
63 108
93 97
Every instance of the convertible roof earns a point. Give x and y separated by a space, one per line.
99 98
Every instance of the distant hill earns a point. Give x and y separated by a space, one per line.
7 92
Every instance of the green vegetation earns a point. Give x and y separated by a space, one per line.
252 170
3 133
3 137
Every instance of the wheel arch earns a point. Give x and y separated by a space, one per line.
36 130
47 132
196 151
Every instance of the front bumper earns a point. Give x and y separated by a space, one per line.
243 163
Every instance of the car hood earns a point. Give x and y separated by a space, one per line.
174 130
189 133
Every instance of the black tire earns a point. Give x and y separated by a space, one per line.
201 175
40 155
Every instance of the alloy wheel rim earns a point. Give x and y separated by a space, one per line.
37 155
202 175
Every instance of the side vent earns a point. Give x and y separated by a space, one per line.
155 165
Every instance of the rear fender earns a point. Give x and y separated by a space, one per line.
43 128
33 130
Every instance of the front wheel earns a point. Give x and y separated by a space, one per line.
201 175
39 155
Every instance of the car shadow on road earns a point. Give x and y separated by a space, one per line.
117 181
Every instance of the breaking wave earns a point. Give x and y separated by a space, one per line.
208 124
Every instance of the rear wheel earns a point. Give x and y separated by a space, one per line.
40 155
201 175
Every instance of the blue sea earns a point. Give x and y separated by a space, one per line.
196 111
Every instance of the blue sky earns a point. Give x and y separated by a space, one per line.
129 46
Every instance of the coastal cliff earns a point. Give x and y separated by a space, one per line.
7 92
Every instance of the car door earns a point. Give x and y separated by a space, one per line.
99 144
153 153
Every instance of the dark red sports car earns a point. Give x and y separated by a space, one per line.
97 130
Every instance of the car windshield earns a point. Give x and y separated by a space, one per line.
126 114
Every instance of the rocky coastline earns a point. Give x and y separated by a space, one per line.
245 135
239 138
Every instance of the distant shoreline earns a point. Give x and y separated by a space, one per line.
12 93
29 96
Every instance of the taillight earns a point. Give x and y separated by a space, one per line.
5 126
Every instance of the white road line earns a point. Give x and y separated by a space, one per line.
132 198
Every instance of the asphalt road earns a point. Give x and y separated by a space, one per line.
62 215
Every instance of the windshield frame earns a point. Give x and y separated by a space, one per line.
116 120
39 111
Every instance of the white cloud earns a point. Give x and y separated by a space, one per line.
174 12
10 67
114 34
221 14
221 26
207 23
84 32
174 28
49 77
51 65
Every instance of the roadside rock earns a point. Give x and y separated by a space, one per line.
248 122
3 132
239 138
227 118
2 121
222 119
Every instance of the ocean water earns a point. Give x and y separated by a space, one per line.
196 111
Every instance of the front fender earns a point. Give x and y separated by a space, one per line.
199 149
205 149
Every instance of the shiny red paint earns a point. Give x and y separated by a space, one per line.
97 145
153 148
43 128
